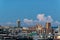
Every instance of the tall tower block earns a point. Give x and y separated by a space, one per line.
18 23
48 28
48 25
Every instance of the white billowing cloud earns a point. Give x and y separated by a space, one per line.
42 17
27 21
49 19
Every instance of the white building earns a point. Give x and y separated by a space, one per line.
57 34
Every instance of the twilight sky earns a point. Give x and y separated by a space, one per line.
11 10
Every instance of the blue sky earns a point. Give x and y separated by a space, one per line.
11 10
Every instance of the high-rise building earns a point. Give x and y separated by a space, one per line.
48 25
18 23
48 28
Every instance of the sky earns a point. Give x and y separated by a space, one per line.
29 10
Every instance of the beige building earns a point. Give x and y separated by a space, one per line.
48 28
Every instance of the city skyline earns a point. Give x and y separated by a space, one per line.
29 19
11 10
